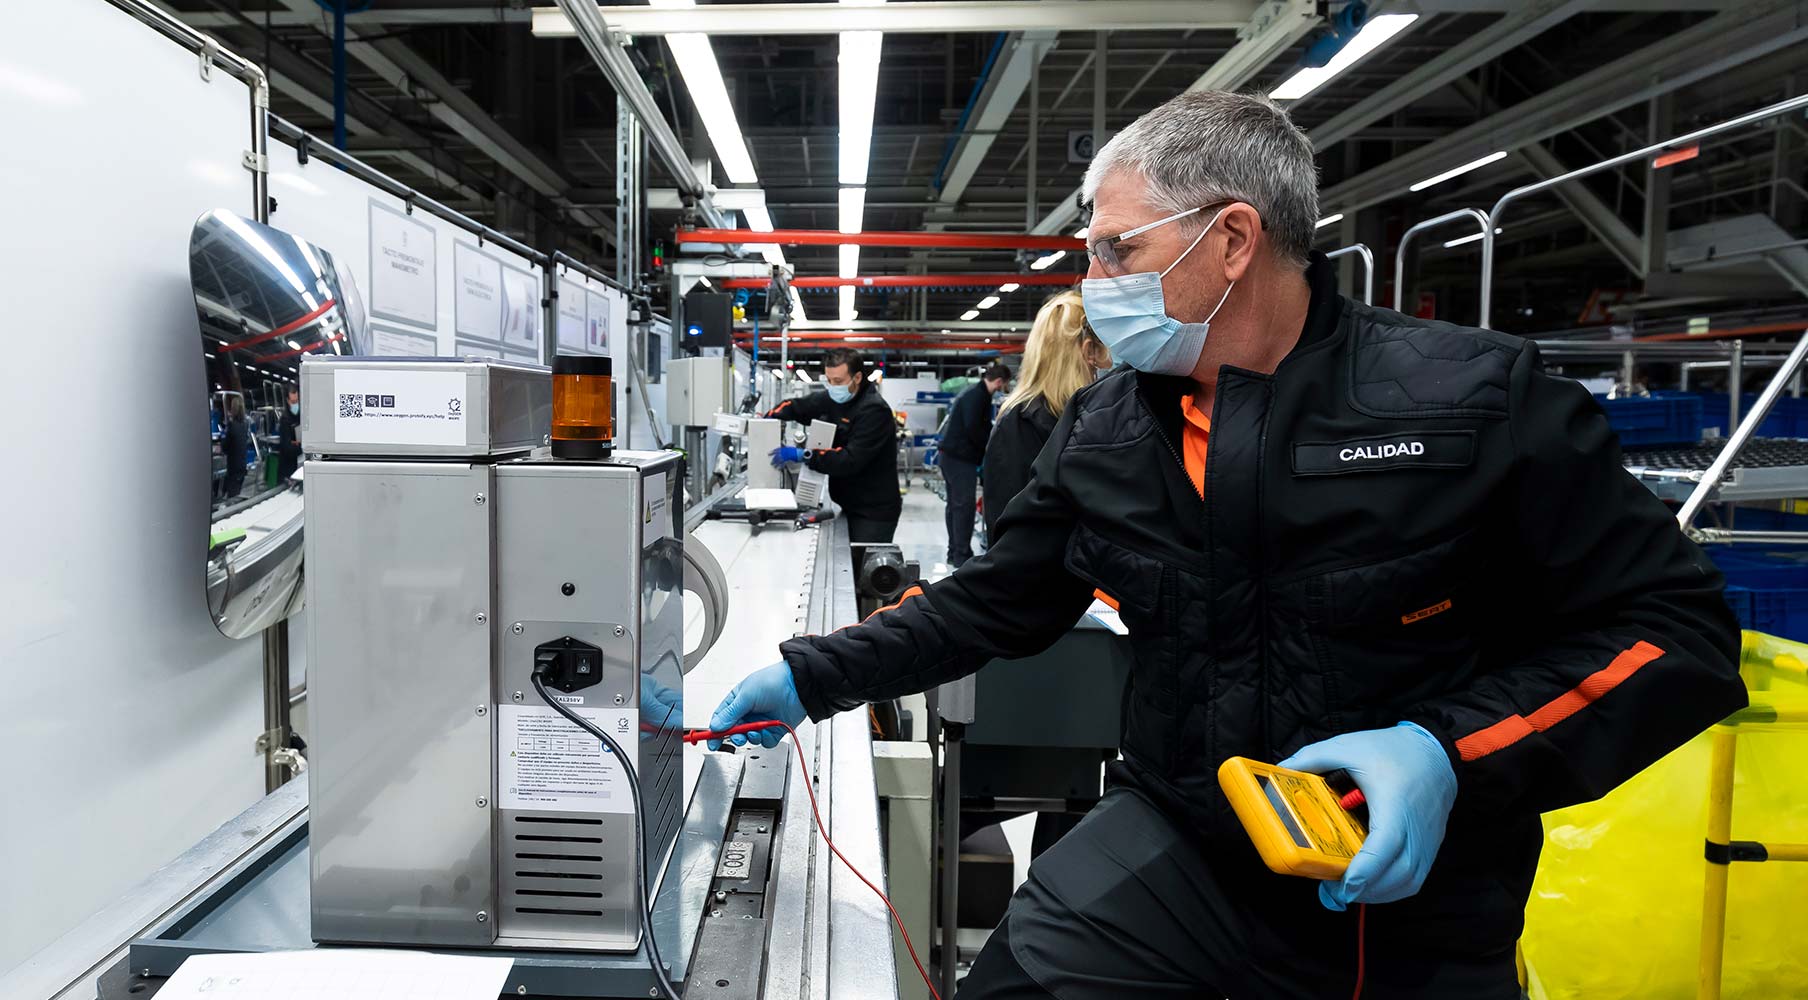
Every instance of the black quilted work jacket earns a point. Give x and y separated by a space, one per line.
1407 521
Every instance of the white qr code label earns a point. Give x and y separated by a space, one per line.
399 407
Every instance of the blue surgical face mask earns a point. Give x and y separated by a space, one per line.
295 408
841 393
1131 318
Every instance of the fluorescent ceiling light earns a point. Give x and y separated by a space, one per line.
1460 171
758 218
1373 35
850 261
797 306
1471 238
703 78
1043 262
944 331
848 312
970 314
853 209
867 340
1329 220
293 346
1009 287
803 376
859 82
988 302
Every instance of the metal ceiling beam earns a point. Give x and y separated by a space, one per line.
1688 56
1004 88
1594 213
404 69
596 35
1272 29
1524 22
914 17
375 17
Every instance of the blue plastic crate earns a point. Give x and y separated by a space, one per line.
1657 419
1767 590
1762 519
1788 416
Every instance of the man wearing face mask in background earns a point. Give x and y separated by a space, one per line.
1342 539
288 449
863 464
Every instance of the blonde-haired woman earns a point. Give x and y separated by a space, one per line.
1060 359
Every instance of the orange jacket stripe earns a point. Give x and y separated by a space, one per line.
1514 728
1110 602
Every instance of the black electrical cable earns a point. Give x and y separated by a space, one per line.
640 869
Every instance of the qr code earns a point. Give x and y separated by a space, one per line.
351 404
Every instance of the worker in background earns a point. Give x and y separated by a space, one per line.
863 464
237 446
961 449
1062 357
288 450
1343 539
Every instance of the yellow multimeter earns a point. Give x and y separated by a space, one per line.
1293 817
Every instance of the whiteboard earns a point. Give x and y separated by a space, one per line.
332 209
593 317
117 147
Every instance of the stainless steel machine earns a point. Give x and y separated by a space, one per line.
449 555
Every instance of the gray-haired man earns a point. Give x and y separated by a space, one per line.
1412 557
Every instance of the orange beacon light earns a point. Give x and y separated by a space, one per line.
583 407
1295 819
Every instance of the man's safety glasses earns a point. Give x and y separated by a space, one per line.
1106 250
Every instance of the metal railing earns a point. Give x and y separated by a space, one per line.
1475 214
1679 142
1367 257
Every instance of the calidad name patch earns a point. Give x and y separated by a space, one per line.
1408 449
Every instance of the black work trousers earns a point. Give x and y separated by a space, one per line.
962 479
1127 905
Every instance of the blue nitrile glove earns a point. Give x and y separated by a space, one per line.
786 456
1405 775
767 693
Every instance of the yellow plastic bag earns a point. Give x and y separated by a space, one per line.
1616 907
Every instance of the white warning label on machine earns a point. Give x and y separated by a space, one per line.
545 762
399 407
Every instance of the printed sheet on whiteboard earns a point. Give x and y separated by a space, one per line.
338 974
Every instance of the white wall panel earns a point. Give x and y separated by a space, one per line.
129 721
333 210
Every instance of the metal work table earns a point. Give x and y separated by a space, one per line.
245 887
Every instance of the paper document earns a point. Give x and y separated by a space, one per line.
338 974
1107 616
769 499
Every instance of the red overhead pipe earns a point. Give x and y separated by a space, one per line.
303 349
899 344
289 327
831 237
911 281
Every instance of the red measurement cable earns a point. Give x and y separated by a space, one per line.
699 735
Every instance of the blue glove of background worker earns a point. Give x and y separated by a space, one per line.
1405 775
786 456
767 693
